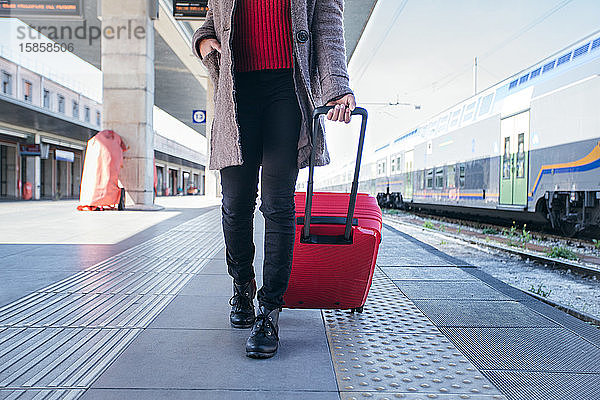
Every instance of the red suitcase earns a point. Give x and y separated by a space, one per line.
335 251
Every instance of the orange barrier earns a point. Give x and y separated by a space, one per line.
27 191
100 188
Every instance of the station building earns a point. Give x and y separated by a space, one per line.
179 156
44 127
47 115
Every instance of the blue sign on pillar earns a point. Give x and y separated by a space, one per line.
199 116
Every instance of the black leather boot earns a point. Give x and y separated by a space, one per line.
264 340
242 305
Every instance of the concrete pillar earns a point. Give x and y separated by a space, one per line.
212 178
37 184
179 179
128 92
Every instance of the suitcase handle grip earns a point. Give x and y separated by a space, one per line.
311 170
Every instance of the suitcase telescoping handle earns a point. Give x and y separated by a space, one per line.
311 170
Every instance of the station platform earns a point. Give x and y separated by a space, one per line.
134 305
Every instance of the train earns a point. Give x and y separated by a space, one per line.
526 149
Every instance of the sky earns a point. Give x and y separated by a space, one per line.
421 52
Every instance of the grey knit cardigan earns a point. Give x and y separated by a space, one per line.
319 74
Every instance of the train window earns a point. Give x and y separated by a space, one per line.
455 118
581 50
469 111
393 165
548 67
521 156
452 176
563 59
398 164
443 125
506 159
486 104
381 168
429 179
439 178
461 176
523 79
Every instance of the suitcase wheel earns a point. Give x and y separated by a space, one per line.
357 309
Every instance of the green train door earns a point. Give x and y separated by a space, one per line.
408 170
514 161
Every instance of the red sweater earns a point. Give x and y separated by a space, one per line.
262 35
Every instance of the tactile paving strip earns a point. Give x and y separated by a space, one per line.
62 337
40 394
58 358
143 263
533 349
386 310
408 363
417 396
466 313
125 283
373 357
520 385
186 245
85 310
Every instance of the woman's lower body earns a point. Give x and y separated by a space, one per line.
269 119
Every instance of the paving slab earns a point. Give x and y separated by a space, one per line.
427 273
216 360
401 249
212 312
194 394
209 285
465 313
215 267
472 290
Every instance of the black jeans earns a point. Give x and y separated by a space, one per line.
269 118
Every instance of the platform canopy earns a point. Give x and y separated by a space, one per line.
180 79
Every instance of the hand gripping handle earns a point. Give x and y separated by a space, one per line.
311 169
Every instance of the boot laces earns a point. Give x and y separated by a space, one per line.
264 324
239 301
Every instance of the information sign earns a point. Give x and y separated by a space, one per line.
190 9
40 8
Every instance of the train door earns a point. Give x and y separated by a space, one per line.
514 160
408 170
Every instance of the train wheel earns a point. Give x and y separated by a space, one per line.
569 229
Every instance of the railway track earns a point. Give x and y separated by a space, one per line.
532 245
